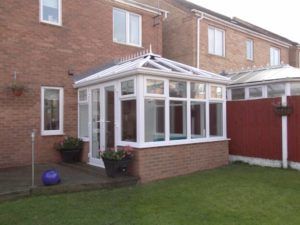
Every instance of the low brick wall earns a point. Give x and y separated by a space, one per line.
162 162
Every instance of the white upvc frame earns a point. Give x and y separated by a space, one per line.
85 102
59 23
61 112
272 50
127 24
223 41
251 56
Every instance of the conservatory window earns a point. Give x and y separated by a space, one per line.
83 112
155 86
198 119
276 90
216 92
177 89
178 120
50 11
216 119
238 93
154 120
127 87
52 111
128 120
295 88
255 92
198 90
126 27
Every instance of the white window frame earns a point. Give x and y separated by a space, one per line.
134 88
85 102
61 112
250 51
214 43
127 13
272 59
59 23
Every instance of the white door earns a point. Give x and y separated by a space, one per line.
102 122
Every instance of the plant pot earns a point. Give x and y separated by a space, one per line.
17 93
70 155
114 167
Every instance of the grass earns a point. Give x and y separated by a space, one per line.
237 194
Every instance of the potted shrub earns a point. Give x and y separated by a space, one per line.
116 160
17 88
70 149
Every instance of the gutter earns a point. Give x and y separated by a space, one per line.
263 82
200 16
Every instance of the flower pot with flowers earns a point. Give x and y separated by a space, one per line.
70 149
17 88
116 161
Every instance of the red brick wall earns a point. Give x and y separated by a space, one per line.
162 162
180 42
42 54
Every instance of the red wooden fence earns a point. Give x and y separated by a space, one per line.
294 129
254 129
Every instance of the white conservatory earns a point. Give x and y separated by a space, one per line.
148 101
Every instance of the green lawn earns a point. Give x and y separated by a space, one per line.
237 194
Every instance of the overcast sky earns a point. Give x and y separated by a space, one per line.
280 17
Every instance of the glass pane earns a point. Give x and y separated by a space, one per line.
249 49
216 119
155 86
295 88
274 56
238 93
198 90
127 87
128 112
177 89
50 10
95 123
84 120
255 92
178 120
109 117
218 42
119 26
51 109
276 90
134 29
216 92
82 95
198 119
154 120
211 40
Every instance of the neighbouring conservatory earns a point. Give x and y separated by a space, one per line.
149 102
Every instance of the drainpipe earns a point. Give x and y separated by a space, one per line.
200 16
284 134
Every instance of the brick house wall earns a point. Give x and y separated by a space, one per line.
180 42
42 54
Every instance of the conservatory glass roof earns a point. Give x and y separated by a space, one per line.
151 64
282 72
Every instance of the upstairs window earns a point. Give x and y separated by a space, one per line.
126 27
249 49
274 56
50 11
216 41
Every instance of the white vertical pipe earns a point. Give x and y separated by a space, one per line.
284 134
32 156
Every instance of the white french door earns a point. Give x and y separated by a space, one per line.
102 120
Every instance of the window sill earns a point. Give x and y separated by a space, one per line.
217 56
50 23
53 133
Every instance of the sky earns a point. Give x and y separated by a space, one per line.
280 17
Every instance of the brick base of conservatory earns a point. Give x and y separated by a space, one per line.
163 162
